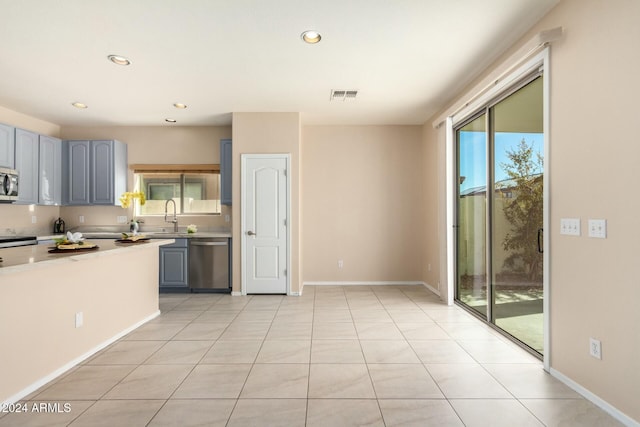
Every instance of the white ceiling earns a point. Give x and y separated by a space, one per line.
405 57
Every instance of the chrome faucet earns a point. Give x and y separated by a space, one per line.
175 217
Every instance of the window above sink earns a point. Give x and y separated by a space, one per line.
194 188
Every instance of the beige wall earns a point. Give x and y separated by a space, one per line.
264 133
433 234
594 285
160 144
594 289
363 203
19 120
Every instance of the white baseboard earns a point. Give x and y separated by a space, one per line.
380 283
295 294
431 288
236 294
44 380
596 400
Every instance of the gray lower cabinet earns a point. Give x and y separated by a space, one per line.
7 146
27 155
95 172
174 266
50 173
225 171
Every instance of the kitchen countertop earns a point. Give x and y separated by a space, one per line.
151 234
24 258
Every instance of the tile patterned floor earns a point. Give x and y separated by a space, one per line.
337 356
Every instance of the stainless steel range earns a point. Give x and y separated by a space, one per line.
11 241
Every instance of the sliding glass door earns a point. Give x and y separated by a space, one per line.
472 219
500 211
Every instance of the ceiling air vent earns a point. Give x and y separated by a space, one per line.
343 95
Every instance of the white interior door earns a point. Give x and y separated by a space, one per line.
264 215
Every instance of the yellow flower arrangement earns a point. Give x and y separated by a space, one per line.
127 198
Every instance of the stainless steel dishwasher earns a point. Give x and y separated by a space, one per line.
209 265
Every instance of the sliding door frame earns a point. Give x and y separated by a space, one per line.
501 89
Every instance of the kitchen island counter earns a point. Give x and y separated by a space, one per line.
23 258
57 310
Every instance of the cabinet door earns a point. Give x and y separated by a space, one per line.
27 144
101 173
120 170
50 177
75 166
225 171
174 265
7 146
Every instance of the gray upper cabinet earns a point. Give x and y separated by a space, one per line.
75 172
95 172
108 172
225 171
7 146
50 175
27 156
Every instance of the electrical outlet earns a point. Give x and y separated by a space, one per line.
227 218
79 319
121 219
81 219
340 263
595 348
570 226
34 219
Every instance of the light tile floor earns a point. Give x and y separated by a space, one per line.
337 356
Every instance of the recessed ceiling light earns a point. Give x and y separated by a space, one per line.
79 105
180 105
120 60
170 120
311 36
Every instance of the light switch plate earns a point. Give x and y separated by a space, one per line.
570 226
598 228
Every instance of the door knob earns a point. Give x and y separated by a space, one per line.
250 233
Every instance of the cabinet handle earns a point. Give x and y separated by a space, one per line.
250 233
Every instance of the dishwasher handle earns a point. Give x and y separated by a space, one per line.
208 243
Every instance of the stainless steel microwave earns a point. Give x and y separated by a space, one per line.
8 185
